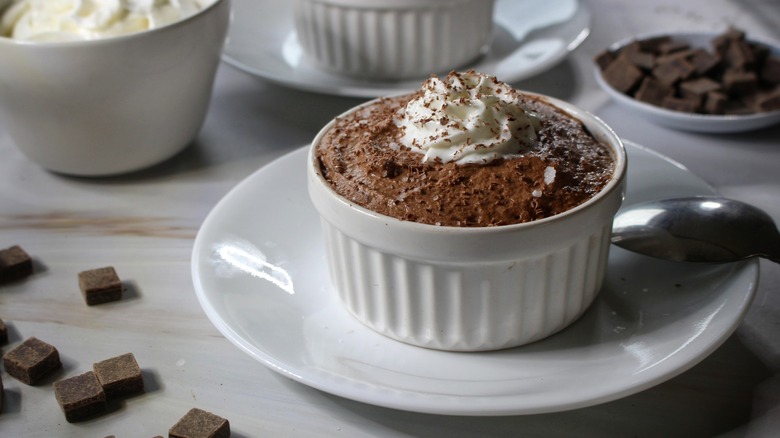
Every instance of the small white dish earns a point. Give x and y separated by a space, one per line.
686 121
531 36
393 39
259 272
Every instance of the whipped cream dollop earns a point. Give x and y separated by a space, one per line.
469 118
72 20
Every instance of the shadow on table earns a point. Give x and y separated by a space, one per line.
714 397
251 123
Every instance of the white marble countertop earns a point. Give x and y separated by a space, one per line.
145 223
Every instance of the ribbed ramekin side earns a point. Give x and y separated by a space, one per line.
467 307
383 42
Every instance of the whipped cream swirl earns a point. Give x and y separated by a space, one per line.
71 20
469 118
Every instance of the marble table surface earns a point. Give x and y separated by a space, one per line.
145 224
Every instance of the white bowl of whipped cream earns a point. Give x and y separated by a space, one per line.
103 87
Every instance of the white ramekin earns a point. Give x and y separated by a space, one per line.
393 39
113 105
469 289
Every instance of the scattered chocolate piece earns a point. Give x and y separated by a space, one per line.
622 75
100 285
31 361
80 396
200 423
3 333
15 263
119 375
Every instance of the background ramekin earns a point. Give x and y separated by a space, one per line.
393 39
111 105
469 289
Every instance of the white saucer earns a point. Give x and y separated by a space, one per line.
531 36
259 271
706 123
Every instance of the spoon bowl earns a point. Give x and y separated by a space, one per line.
697 229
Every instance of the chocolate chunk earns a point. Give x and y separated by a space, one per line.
739 55
31 361
698 87
639 57
722 42
3 333
119 375
653 91
653 45
769 101
735 107
770 71
737 82
80 396
672 46
672 71
100 285
681 104
603 59
682 54
200 423
715 102
703 61
622 75
14 264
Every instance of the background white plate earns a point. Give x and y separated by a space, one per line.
259 271
687 121
531 36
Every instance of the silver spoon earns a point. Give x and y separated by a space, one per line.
697 229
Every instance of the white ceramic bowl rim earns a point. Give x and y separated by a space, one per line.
106 40
607 136
396 4
773 45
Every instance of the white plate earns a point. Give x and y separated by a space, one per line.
259 271
687 121
531 36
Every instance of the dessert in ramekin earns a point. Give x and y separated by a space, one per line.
393 39
467 216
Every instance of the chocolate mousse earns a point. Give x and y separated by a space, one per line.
519 158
